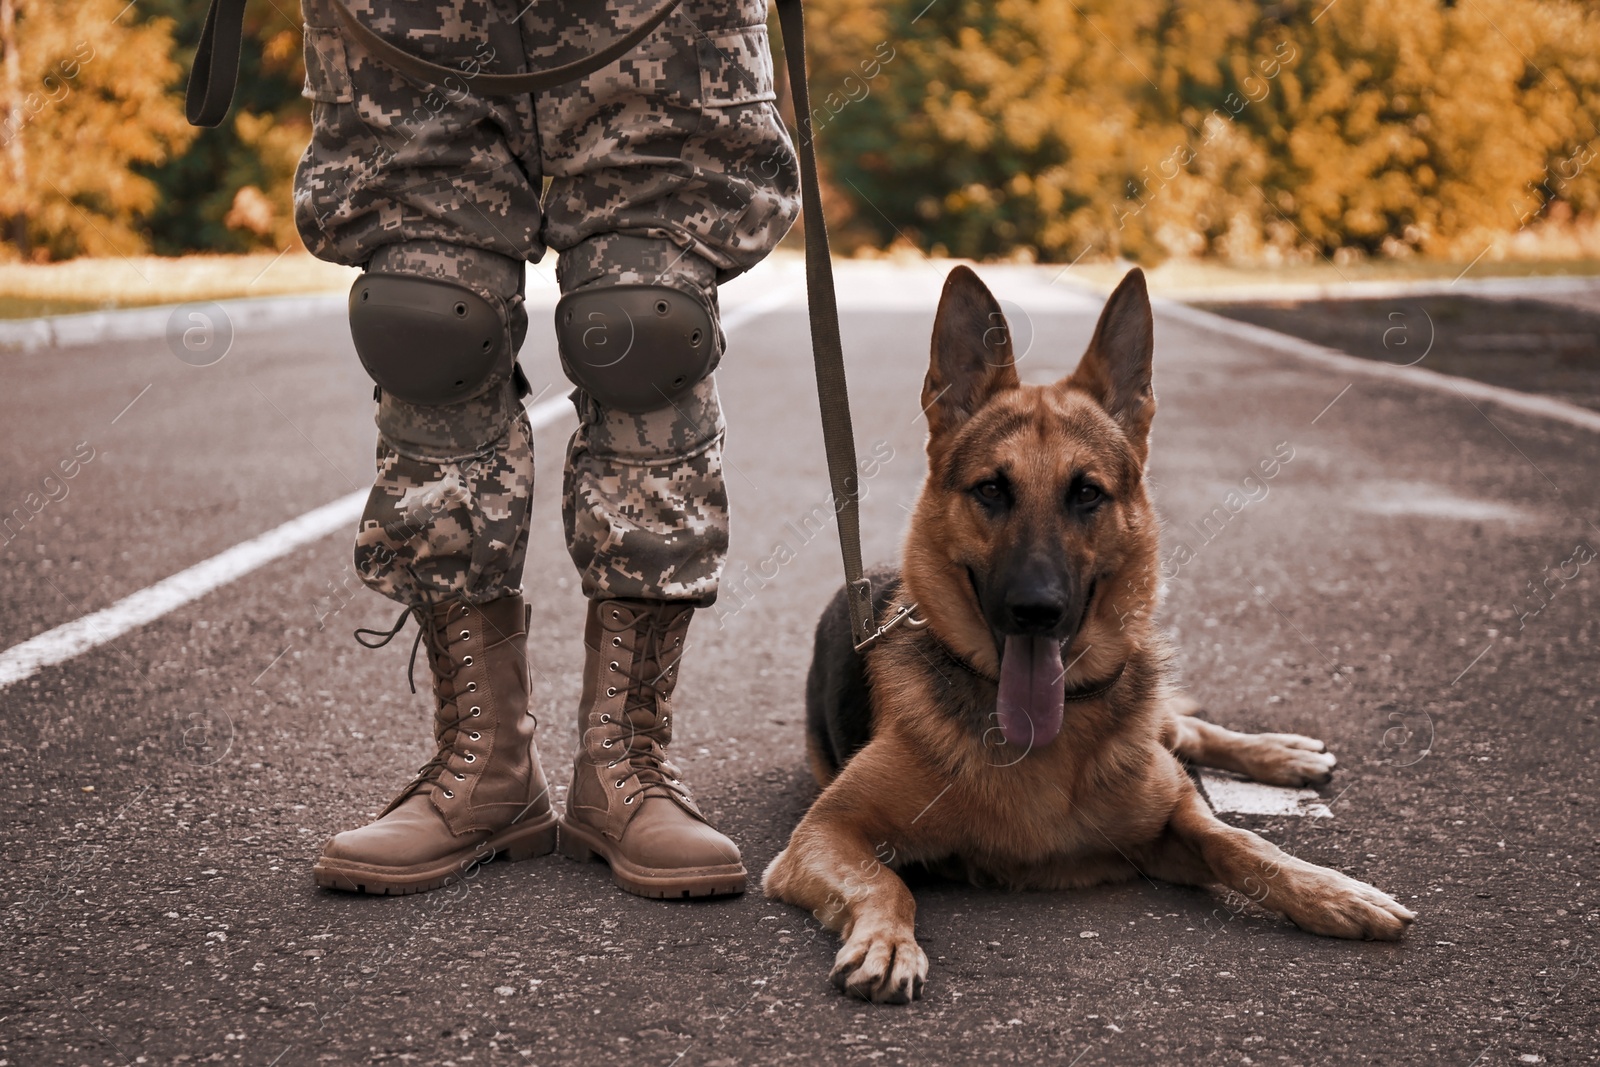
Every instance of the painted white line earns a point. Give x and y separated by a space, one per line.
1570 289
148 604
1434 502
546 412
1253 798
742 313
1418 377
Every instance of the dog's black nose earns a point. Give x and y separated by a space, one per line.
1034 614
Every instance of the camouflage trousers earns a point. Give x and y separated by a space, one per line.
668 167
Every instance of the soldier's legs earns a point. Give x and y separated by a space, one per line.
643 503
671 168
435 194
448 514
671 171
438 186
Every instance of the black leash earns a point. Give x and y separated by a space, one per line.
216 71
838 436
210 94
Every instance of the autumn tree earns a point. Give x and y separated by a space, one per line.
85 98
1414 126
1150 128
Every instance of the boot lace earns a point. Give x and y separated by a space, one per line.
644 743
444 666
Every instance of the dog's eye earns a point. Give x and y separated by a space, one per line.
990 492
1087 496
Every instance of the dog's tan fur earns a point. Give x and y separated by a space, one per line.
1107 799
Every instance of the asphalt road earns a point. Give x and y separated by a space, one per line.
166 793
1538 346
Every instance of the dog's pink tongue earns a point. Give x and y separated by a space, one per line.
1032 690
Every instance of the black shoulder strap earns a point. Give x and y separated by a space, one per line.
534 81
216 60
211 85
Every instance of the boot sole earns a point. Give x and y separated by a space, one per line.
726 880
520 842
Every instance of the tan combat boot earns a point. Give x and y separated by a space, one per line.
483 792
627 805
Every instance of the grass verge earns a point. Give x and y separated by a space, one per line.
28 290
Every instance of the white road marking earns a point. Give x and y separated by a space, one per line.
1544 407
1435 502
151 603
148 604
1253 798
773 299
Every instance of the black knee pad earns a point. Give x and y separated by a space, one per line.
635 347
426 341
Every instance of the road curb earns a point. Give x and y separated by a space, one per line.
1541 287
148 323
139 324
152 323
1417 377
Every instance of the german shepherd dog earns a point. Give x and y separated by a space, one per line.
1020 730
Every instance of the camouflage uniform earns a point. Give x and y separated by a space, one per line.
670 166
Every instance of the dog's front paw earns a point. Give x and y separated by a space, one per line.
1290 760
883 965
1335 905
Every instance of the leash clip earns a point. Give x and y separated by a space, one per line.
905 615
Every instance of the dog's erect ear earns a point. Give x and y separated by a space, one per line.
972 355
1116 369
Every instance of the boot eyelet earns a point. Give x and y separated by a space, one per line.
606 743
449 795
605 718
665 719
611 691
611 765
627 800
470 758
461 777
476 736
465 634
615 666
466 661
615 614
616 642
472 687
676 642
620 781
475 712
